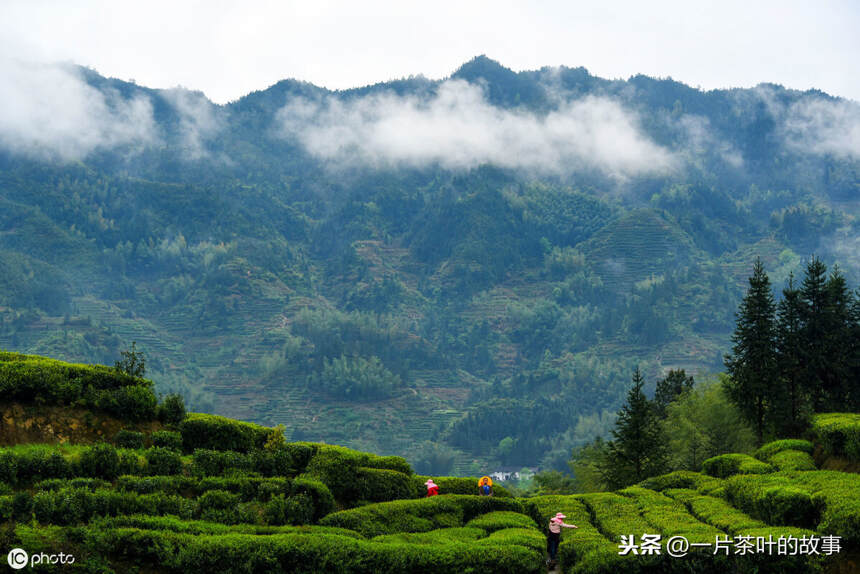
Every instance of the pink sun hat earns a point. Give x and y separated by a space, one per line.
560 515
430 482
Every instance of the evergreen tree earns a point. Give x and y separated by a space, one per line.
752 363
813 297
853 397
670 388
838 309
791 403
638 448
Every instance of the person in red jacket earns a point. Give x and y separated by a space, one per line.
432 489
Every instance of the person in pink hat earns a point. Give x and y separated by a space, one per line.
432 488
553 535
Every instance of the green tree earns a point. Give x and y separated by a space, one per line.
752 362
791 403
838 351
703 423
638 448
586 463
132 362
670 388
813 296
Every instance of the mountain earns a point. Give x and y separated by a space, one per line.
422 267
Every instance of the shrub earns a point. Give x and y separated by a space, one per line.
792 460
306 553
528 537
22 506
297 509
683 479
726 465
214 462
173 484
171 411
29 378
839 433
132 403
301 454
202 431
32 464
130 462
5 507
129 439
774 499
423 514
163 461
58 483
8 467
771 448
272 461
167 439
438 536
501 519
100 461
320 495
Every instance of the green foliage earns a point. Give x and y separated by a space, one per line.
24 466
774 500
726 465
306 553
683 479
32 378
501 519
752 364
670 388
638 447
163 461
203 431
100 461
839 433
355 377
792 460
773 447
353 476
420 515
167 439
586 463
171 410
129 439
704 423
132 363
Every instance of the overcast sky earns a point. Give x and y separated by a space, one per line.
227 49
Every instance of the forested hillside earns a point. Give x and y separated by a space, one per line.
464 272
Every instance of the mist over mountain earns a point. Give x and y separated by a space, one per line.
419 266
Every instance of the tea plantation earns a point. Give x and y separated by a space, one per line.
202 493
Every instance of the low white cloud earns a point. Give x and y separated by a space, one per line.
824 126
50 112
198 121
699 137
458 129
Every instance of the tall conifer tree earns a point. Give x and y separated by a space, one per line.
638 448
752 362
791 403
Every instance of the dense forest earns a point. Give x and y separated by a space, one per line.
289 258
